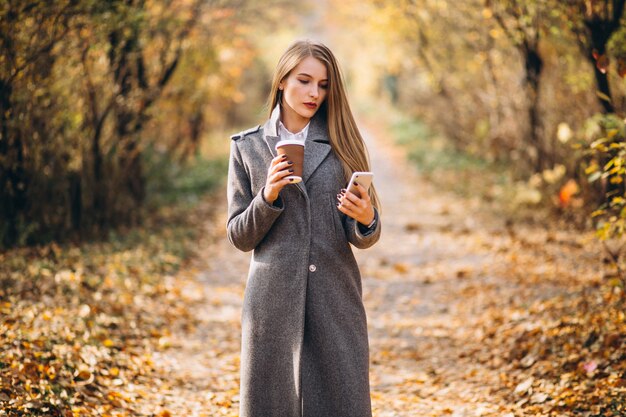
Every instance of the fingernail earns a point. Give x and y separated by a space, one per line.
292 179
291 170
290 163
339 196
355 183
284 156
343 190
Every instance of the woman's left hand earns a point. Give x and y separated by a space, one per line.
360 209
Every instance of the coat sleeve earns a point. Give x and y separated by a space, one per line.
358 239
250 217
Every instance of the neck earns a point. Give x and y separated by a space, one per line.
292 120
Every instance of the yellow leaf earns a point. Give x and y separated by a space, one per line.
603 96
401 268
495 33
598 213
109 343
591 169
84 375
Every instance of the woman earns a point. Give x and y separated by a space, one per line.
304 331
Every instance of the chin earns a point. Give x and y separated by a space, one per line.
308 113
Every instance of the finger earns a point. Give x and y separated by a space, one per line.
342 208
354 199
346 211
281 166
363 192
283 182
351 196
278 159
343 200
349 205
278 176
280 184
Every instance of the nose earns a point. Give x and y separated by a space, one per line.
314 93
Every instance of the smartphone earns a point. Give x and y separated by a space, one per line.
363 178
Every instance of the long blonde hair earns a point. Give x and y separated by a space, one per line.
345 138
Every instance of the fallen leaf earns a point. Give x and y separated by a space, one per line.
590 367
538 398
523 387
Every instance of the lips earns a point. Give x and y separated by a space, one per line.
311 106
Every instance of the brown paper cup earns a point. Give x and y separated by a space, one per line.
295 153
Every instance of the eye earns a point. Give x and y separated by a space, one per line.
304 81
324 86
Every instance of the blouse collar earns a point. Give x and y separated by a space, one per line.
317 128
284 133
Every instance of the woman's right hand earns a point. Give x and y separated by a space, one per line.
278 170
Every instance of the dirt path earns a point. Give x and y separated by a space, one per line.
428 286
416 281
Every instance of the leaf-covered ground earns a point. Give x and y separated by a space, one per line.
79 326
469 315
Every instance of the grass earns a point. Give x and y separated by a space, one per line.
433 155
184 184
430 152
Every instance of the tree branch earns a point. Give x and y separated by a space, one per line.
500 21
618 12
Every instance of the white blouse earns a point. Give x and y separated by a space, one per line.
285 134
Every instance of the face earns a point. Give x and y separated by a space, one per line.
305 88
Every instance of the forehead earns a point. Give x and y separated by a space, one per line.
313 67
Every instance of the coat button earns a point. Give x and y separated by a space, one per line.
312 268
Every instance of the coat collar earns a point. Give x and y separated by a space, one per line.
317 145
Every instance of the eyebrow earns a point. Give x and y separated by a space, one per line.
307 75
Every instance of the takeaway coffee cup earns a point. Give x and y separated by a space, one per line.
295 153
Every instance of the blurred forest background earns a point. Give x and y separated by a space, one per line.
115 117
103 103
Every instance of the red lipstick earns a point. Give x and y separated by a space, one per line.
311 105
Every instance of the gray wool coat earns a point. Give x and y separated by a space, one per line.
304 331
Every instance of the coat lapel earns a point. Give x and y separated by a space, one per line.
270 131
317 146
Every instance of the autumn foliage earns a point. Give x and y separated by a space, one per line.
100 101
80 325
92 93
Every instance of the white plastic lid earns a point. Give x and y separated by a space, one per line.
289 142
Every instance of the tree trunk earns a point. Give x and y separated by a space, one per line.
534 66
600 30
12 176
76 201
128 121
602 82
99 194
